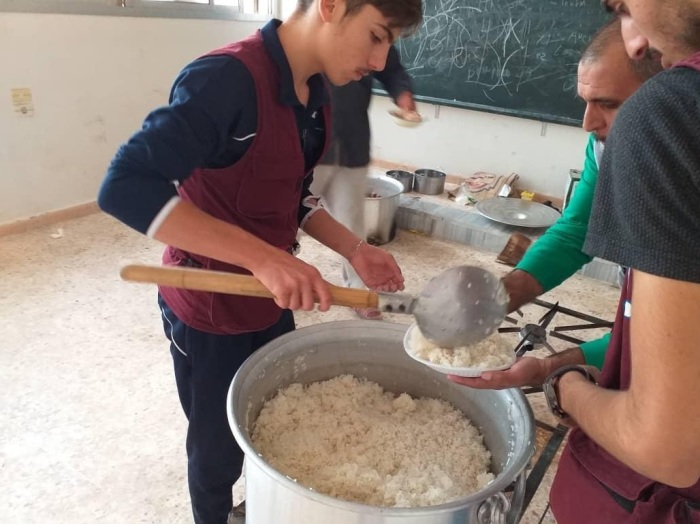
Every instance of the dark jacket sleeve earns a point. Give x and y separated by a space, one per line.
394 77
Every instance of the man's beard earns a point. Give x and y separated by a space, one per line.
652 54
691 32
687 37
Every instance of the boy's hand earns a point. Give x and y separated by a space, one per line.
294 283
377 268
405 101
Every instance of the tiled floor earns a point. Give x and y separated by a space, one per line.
90 425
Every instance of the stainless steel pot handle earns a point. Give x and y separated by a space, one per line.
493 510
499 509
516 501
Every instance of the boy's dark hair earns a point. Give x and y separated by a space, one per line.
611 34
404 14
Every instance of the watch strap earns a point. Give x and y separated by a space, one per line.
550 391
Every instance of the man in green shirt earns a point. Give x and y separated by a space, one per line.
606 78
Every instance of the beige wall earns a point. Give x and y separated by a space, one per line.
94 78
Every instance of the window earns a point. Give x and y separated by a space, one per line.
260 7
286 8
216 9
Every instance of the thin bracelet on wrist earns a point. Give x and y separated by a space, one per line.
355 249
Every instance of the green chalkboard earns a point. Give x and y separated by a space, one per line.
514 57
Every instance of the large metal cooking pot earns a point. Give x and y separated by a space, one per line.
382 199
373 350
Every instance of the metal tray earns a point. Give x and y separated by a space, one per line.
517 212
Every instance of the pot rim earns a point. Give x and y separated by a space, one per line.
392 182
430 173
399 173
507 476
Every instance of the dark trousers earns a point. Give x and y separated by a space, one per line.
204 368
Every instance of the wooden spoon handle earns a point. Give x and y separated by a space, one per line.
232 283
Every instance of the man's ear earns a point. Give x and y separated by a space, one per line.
328 8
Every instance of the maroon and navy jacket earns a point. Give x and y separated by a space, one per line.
260 193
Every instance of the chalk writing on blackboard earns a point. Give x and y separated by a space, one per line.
515 57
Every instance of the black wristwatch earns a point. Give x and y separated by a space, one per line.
550 391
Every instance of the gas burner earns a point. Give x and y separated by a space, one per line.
534 336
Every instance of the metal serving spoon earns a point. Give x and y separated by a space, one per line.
458 307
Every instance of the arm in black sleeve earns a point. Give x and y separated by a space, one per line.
394 77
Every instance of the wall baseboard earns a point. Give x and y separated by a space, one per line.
47 219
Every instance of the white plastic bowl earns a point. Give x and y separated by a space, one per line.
447 370
403 122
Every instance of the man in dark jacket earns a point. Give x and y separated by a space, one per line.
340 177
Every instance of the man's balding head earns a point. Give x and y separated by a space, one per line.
609 38
607 77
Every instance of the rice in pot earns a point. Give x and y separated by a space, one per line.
348 438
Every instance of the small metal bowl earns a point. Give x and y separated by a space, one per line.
405 177
429 181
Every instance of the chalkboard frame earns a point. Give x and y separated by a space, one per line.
518 113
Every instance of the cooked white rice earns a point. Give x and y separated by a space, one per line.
493 351
350 439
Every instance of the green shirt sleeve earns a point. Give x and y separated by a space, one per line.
558 254
594 351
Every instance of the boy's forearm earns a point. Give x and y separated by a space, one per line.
331 233
195 231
